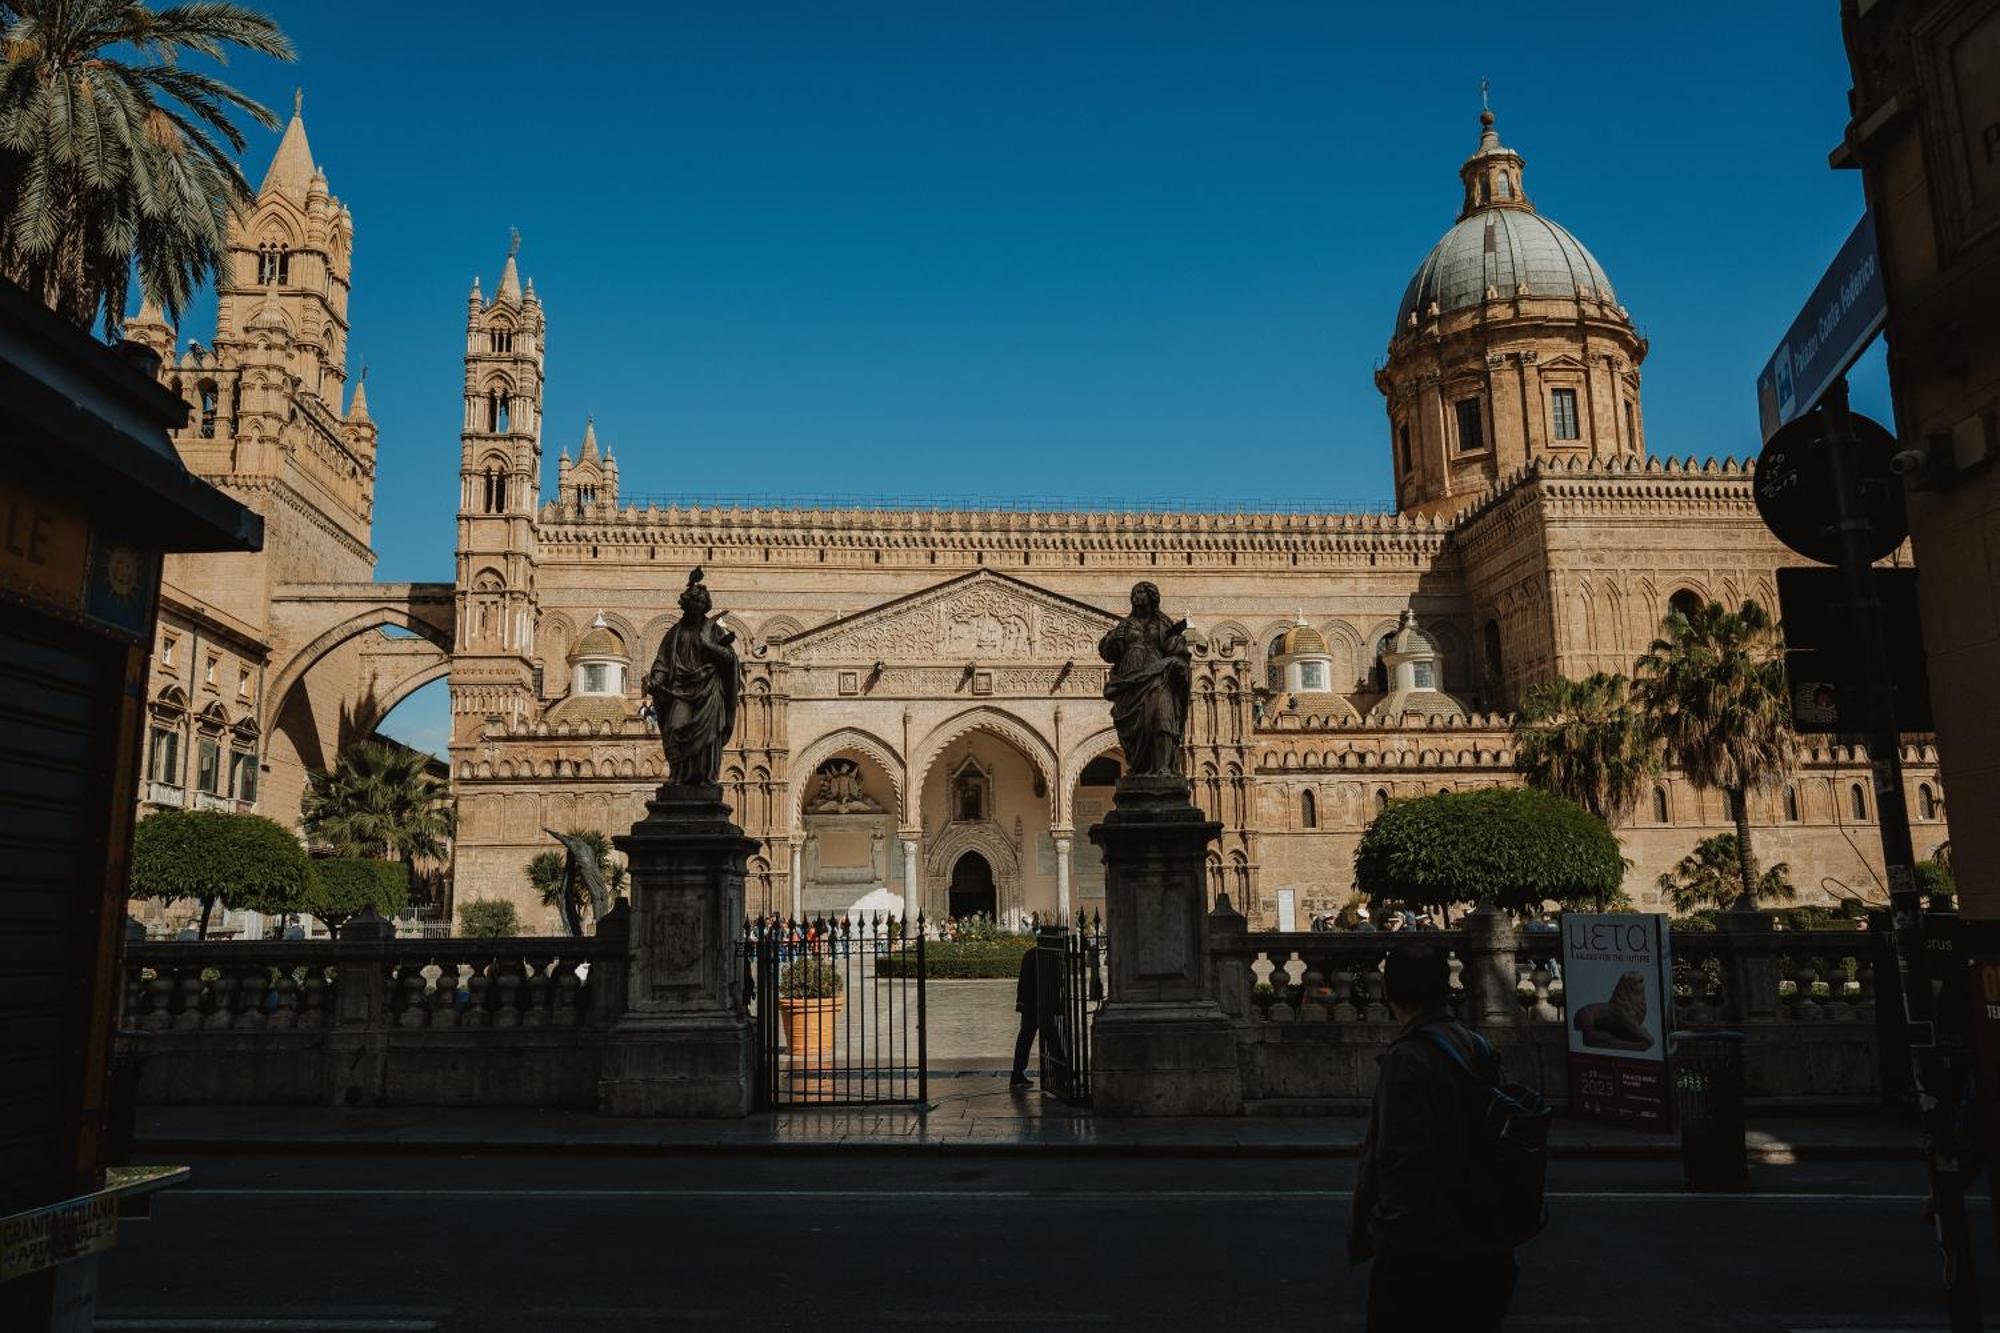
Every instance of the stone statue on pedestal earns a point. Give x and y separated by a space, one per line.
693 687
1149 684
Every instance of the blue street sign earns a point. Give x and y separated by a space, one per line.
1842 316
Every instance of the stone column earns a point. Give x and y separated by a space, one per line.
1064 911
913 886
684 1045
1751 973
1491 979
798 875
1161 1044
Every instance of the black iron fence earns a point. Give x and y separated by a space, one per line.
1069 987
834 1027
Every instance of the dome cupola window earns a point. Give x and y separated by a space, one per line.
598 662
1300 660
1412 669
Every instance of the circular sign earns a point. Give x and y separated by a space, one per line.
1795 492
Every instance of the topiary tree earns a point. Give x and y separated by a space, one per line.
488 919
343 887
1516 847
245 862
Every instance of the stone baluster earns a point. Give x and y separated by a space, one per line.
444 996
189 1015
1864 983
251 987
286 1015
1491 944
507 993
478 997
1230 969
1345 980
1374 1008
1806 1006
312 993
409 1002
1542 1008
535 1013
568 988
222 1001
159 1014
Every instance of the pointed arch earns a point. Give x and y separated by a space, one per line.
805 767
997 722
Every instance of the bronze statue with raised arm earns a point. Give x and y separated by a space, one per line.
693 686
1151 675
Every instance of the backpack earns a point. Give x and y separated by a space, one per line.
1508 1161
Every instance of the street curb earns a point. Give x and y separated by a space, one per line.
157 1147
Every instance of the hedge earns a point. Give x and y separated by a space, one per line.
947 960
342 886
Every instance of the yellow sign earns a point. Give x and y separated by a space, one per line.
44 547
30 1242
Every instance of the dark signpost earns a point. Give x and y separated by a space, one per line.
1828 494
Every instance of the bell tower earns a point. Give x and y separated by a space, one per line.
500 457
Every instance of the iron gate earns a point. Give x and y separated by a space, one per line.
1069 987
839 1009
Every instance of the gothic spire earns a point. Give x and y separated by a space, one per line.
510 276
292 170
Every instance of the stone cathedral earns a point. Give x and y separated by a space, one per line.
922 721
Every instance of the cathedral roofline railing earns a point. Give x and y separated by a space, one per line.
1620 471
812 503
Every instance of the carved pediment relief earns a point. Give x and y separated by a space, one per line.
982 616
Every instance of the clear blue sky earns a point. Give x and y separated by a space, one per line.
1104 250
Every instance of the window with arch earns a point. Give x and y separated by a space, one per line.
1308 810
500 340
1926 801
1661 813
586 495
971 793
274 265
495 499
1791 804
1274 675
1503 186
1687 601
499 411
1403 440
1857 801
1631 426
210 398
1380 671
1381 799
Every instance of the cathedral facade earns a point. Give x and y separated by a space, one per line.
922 721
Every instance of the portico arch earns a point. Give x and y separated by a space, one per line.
997 722
805 768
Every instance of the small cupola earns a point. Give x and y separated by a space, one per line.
1415 671
598 661
1300 661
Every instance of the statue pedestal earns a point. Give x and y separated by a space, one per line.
1161 1044
685 1045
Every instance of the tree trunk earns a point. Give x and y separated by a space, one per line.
207 906
1746 860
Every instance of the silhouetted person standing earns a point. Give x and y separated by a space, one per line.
1436 1266
1025 992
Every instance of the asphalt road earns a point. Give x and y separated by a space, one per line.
600 1242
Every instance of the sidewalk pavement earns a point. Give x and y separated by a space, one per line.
967 1112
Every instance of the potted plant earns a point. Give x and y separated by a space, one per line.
809 1001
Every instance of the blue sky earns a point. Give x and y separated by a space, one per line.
1102 250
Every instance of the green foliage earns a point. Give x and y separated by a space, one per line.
245 862
1934 878
380 801
1516 846
345 886
545 873
994 958
1712 876
1714 687
488 919
115 153
810 978
977 927
1585 741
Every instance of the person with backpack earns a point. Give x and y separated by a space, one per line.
1452 1167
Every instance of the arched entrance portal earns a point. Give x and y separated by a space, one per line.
972 887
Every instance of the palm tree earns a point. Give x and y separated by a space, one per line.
114 154
379 801
545 873
1714 686
1712 875
1584 740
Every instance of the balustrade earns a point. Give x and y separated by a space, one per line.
1336 977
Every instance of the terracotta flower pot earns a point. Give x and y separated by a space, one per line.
809 1026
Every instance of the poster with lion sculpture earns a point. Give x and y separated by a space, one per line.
1615 976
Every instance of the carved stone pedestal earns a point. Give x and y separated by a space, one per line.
685 1044
1161 1044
